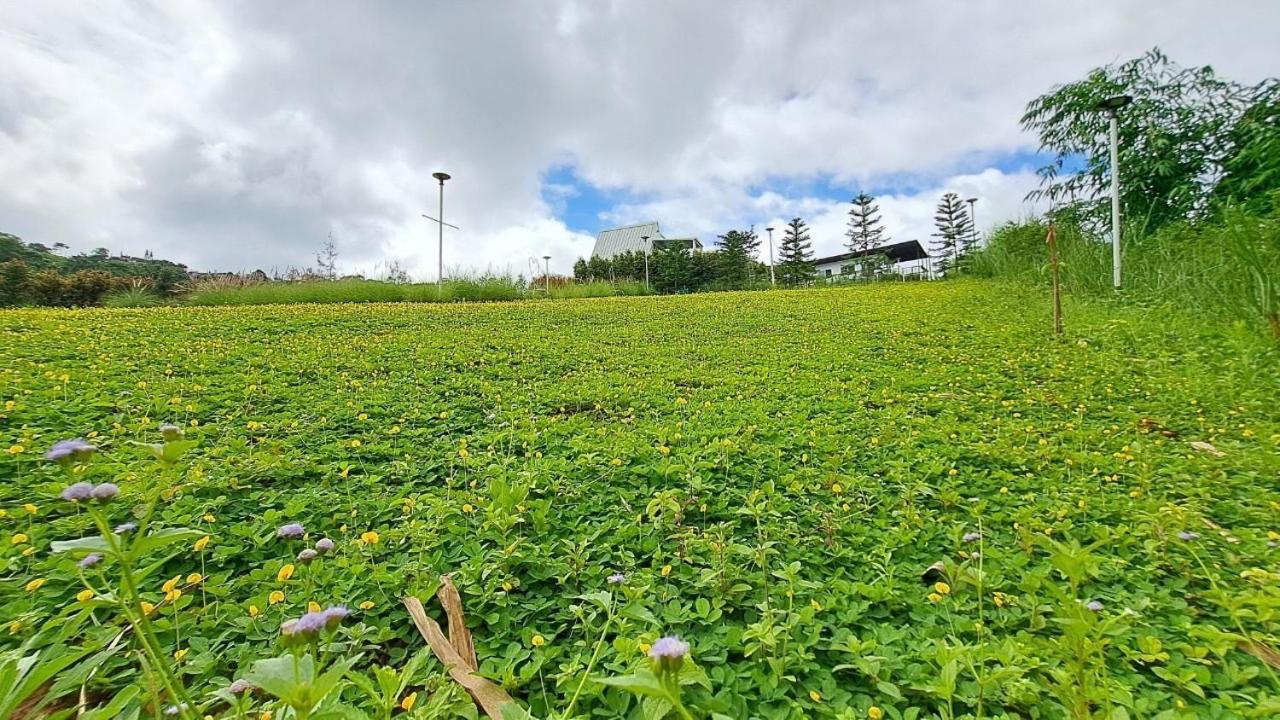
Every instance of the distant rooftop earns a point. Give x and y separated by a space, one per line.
616 241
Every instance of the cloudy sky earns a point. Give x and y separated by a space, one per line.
238 134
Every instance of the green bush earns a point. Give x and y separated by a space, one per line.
134 297
1226 269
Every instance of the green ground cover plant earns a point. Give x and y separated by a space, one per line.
883 501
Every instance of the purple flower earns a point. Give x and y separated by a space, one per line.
1094 605
292 530
334 615
105 492
1188 535
306 556
324 545
170 432
240 687
313 622
670 646
90 560
972 537
617 578
77 492
67 450
126 528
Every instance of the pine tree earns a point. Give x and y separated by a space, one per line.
673 269
795 260
735 258
954 227
866 230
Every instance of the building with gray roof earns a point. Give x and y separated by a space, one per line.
616 241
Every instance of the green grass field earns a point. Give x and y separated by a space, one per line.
772 471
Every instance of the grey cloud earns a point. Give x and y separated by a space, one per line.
239 134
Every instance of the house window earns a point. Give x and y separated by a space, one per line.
828 272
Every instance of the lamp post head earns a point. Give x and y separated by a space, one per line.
546 257
441 176
971 200
768 229
1113 103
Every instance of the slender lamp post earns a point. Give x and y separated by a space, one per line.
441 176
773 281
645 238
973 222
1111 106
546 274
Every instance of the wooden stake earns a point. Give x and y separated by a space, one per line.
1052 239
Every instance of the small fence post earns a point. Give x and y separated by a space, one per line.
1052 240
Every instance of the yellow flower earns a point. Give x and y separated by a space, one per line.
34 585
468 508
837 489
644 648
16 449
18 539
615 462
195 579
666 570
815 696
14 627
171 583
179 654
942 588
815 604
462 453
275 597
266 715
366 605
313 606
285 573
254 611
875 713
201 544
355 443
173 595
935 598
147 607
85 595
538 641
31 509
209 517
369 538
407 703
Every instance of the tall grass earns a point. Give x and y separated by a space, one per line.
1224 269
484 289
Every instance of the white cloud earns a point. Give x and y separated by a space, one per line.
239 134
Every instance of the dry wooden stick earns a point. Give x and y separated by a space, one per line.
491 698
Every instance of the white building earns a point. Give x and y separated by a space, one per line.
908 259
616 241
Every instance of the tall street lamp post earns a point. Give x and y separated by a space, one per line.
773 280
441 176
546 274
645 238
1111 106
973 222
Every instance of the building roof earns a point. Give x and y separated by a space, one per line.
897 252
616 241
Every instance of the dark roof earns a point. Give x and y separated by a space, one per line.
897 252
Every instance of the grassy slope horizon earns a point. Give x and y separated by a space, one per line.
870 426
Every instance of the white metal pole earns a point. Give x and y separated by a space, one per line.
1115 202
773 280
440 247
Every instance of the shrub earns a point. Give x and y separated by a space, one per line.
134 297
